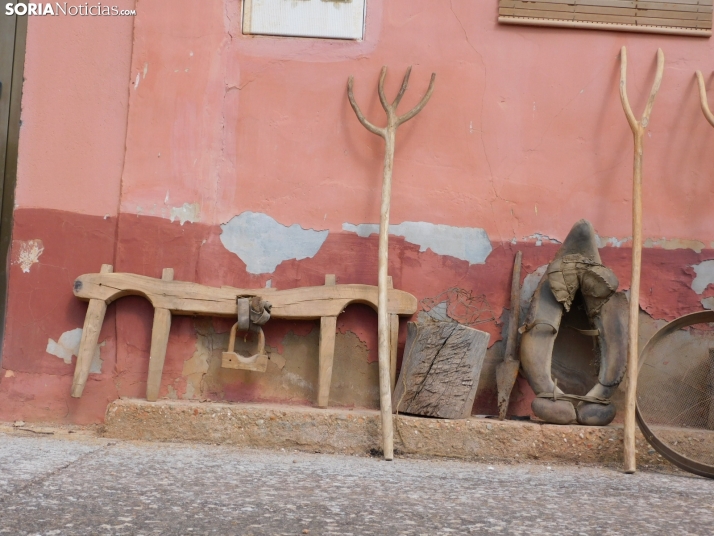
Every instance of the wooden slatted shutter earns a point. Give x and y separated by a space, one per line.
683 17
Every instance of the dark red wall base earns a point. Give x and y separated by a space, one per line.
35 385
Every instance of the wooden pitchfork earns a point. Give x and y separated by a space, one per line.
638 130
388 133
703 97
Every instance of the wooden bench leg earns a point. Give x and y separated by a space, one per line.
328 326
159 342
90 336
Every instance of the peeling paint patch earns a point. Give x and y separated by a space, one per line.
195 368
457 305
611 241
188 212
27 253
9 374
541 238
675 243
662 243
705 276
298 381
277 359
68 346
708 303
209 345
355 380
466 243
262 243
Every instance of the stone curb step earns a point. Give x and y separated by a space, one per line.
344 431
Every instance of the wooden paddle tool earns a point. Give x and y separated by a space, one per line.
388 133
638 130
507 370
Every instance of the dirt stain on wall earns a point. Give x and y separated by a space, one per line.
291 376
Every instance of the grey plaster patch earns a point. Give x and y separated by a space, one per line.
705 276
466 243
708 303
262 243
68 346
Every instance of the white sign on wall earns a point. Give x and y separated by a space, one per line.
334 19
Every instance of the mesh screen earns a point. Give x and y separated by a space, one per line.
675 393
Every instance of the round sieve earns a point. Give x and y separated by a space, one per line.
675 393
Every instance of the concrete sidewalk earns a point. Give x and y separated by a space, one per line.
84 485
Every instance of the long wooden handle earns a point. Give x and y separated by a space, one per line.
703 99
383 324
638 131
515 308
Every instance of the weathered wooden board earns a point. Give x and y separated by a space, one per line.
441 368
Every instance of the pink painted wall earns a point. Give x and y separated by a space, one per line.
525 130
74 113
175 107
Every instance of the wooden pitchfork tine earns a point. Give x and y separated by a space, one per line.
388 133
703 97
638 130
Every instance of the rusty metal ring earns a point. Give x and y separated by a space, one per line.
677 459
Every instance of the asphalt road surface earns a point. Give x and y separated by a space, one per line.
53 486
